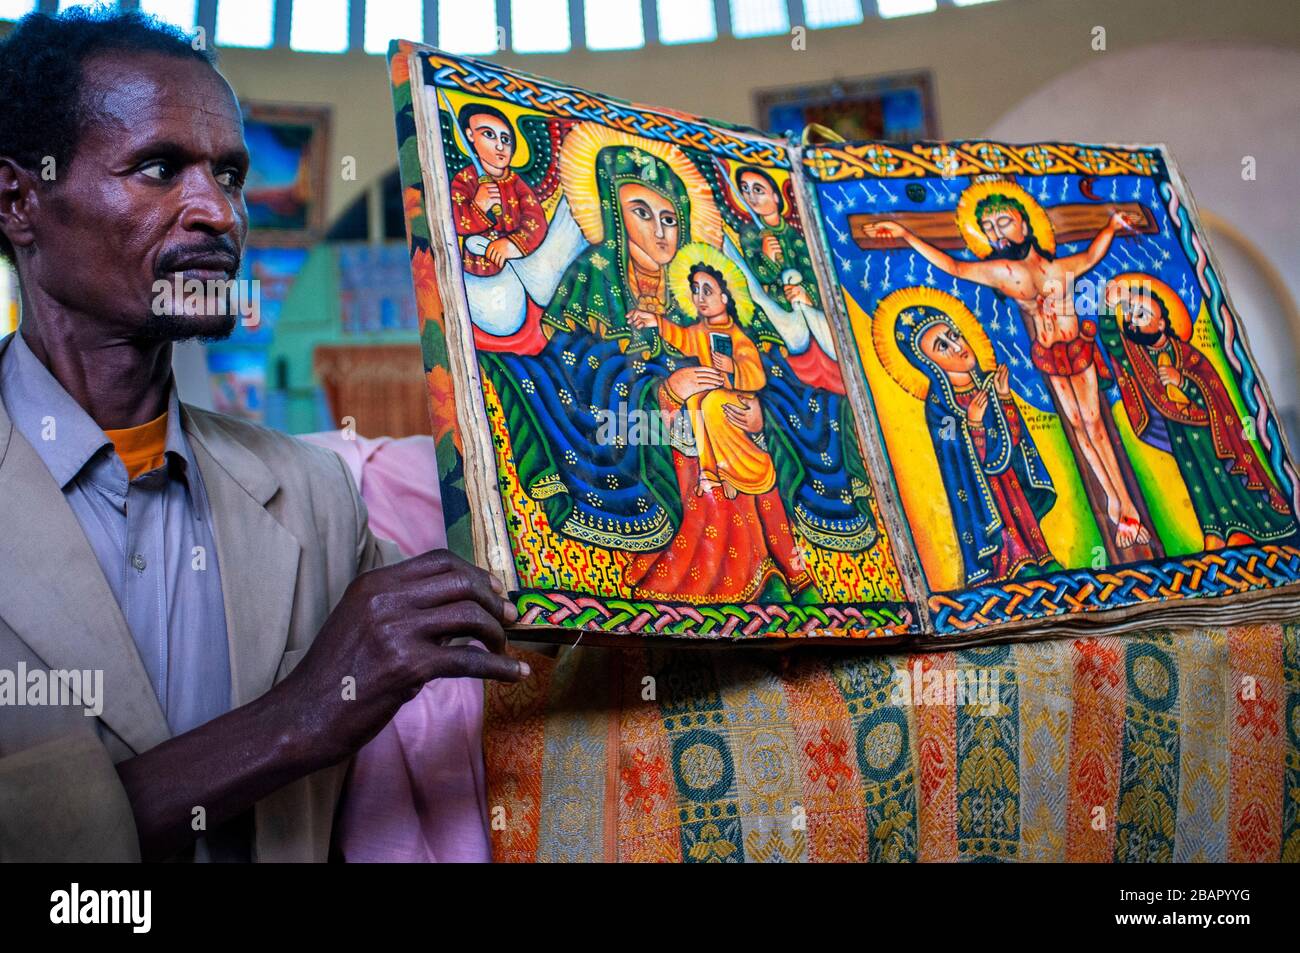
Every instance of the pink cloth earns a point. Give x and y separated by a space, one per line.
416 792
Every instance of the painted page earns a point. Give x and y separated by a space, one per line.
1071 415
642 423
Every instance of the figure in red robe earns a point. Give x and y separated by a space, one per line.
495 211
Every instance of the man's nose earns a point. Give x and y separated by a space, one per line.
209 207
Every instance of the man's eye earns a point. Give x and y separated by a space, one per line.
230 178
159 169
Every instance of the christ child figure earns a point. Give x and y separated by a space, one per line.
722 416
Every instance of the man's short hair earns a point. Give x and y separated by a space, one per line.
41 74
470 110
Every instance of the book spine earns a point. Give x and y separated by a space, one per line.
864 412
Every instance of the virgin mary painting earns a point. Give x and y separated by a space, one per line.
996 484
637 202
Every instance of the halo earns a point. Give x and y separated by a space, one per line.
907 375
679 276
578 179
974 193
1180 320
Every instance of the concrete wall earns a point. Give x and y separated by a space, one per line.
985 59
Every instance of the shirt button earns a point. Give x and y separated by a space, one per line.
138 562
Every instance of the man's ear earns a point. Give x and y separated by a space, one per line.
19 203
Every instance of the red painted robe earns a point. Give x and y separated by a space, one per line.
724 551
519 217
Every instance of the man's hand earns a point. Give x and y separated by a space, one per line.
1123 222
390 632
1170 376
689 381
642 319
724 363
885 230
500 251
772 248
746 414
487 195
798 294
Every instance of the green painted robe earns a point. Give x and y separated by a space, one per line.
1230 488
794 254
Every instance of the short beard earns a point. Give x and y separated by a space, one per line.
174 328
1012 251
1144 338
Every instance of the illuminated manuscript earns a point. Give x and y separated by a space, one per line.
691 381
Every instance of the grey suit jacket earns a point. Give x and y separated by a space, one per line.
291 534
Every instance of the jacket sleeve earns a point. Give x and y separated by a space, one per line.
62 801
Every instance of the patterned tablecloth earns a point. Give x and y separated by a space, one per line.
1169 745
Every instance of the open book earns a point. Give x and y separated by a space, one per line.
692 381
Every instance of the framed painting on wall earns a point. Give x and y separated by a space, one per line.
898 107
285 190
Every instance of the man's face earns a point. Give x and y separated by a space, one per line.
706 295
155 187
1004 228
650 220
1143 320
493 142
758 193
944 345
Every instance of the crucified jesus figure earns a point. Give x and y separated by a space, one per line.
1064 345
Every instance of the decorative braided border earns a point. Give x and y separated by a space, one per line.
534 93
734 621
1211 574
974 157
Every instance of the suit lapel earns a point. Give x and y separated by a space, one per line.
256 556
54 596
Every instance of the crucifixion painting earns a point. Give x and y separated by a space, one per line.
1014 240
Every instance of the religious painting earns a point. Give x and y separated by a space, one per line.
1070 412
375 295
688 380
237 377
285 190
634 342
897 108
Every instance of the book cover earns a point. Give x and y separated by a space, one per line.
1070 411
641 419
690 381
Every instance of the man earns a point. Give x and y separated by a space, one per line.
495 211
1176 402
1063 347
220 576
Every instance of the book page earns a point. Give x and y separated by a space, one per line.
1072 418
641 398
